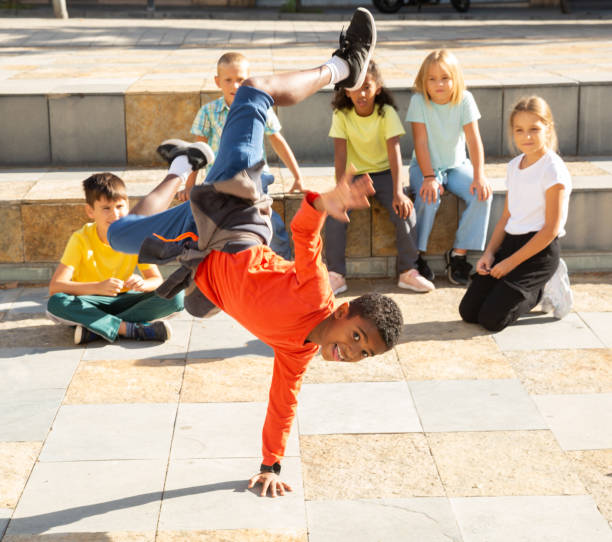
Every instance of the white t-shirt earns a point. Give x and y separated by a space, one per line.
444 123
527 192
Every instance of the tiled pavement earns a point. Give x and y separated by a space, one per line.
456 434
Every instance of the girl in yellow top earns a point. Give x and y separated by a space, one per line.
366 130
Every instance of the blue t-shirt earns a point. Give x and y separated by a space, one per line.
444 123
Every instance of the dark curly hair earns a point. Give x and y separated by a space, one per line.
384 97
383 312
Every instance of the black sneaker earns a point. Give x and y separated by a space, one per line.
154 331
199 153
82 335
424 269
457 268
356 47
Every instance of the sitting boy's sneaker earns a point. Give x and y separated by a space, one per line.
152 331
337 282
424 269
412 280
82 335
199 153
457 268
356 48
557 294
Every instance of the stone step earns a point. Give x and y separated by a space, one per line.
42 207
101 124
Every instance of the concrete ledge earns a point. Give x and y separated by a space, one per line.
41 210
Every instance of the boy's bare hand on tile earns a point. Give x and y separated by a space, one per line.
269 480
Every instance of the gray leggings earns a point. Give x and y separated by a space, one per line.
405 230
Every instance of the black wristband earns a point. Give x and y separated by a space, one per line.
276 468
429 176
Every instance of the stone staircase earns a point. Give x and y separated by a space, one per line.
42 207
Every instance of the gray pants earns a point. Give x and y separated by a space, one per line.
405 230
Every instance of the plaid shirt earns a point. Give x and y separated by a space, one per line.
211 117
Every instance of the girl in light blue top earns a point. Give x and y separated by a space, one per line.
444 117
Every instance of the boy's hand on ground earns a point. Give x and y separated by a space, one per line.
402 205
110 287
135 282
297 185
271 481
349 194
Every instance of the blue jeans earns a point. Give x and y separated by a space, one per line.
280 238
472 231
240 147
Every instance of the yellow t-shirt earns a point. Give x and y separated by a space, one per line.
366 137
95 261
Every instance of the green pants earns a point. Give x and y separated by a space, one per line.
103 314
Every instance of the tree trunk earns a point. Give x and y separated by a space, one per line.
59 9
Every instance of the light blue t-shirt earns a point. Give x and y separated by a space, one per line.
444 123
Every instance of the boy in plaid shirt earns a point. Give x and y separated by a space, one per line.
232 70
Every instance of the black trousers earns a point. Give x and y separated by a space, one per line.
497 303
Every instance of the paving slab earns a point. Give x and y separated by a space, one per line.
100 432
601 324
26 415
213 339
579 421
593 467
381 466
117 536
16 462
175 348
5 515
530 519
212 494
223 380
8 297
30 369
543 332
222 430
364 407
126 381
234 535
391 520
545 372
90 497
31 300
475 405
476 464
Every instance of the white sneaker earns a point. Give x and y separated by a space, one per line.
413 280
557 295
337 282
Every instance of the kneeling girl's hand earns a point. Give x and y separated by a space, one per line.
483 267
502 268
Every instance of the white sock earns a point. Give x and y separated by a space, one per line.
338 68
455 253
180 167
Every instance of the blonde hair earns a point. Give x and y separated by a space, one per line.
538 107
448 61
227 59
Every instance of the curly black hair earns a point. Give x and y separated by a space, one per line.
384 97
383 312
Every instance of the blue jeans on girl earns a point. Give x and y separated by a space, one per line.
472 231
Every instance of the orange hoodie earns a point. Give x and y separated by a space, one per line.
280 302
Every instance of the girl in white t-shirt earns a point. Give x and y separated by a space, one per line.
523 253
444 117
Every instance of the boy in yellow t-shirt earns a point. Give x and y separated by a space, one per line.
95 288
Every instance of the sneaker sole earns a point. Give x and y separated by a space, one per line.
341 290
364 70
405 286
78 334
